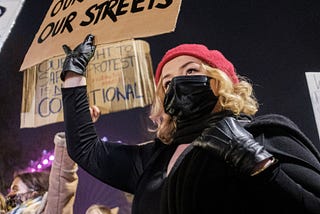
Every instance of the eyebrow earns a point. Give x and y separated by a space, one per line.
181 67
14 187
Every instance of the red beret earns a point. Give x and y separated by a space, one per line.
213 58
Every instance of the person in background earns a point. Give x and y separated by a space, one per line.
63 180
211 153
47 192
3 207
44 192
27 192
101 209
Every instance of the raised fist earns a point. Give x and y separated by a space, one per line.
77 60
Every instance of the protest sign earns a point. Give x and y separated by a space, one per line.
313 80
119 77
69 21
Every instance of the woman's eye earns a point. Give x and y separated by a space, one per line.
167 84
191 70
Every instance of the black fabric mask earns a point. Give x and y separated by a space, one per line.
189 97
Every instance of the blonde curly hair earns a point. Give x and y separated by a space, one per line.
236 97
3 207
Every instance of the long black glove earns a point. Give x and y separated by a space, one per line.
77 60
229 141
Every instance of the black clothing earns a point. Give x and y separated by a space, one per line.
198 182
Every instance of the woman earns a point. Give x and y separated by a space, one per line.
44 192
210 154
27 192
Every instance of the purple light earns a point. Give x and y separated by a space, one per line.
47 157
45 162
104 139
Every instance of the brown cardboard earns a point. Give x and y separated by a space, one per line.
119 77
69 21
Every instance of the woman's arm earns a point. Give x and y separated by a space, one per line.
112 163
63 179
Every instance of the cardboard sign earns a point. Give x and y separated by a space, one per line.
313 80
119 77
69 21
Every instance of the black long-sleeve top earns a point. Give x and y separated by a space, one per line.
198 183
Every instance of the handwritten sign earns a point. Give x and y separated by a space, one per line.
69 21
313 80
119 77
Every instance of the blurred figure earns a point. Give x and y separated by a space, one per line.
101 209
27 192
129 197
3 207
63 179
30 192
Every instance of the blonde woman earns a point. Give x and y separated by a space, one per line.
210 155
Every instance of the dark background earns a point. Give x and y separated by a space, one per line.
271 42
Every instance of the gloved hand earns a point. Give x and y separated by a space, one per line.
77 60
229 141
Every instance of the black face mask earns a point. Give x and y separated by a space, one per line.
189 97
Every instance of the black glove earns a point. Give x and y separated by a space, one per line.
229 141
77 60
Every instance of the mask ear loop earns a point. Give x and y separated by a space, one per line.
214 83
14 200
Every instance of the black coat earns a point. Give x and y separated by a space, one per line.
203 184
198 183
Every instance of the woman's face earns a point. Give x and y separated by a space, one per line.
20 190
19 193
181 66
18 187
